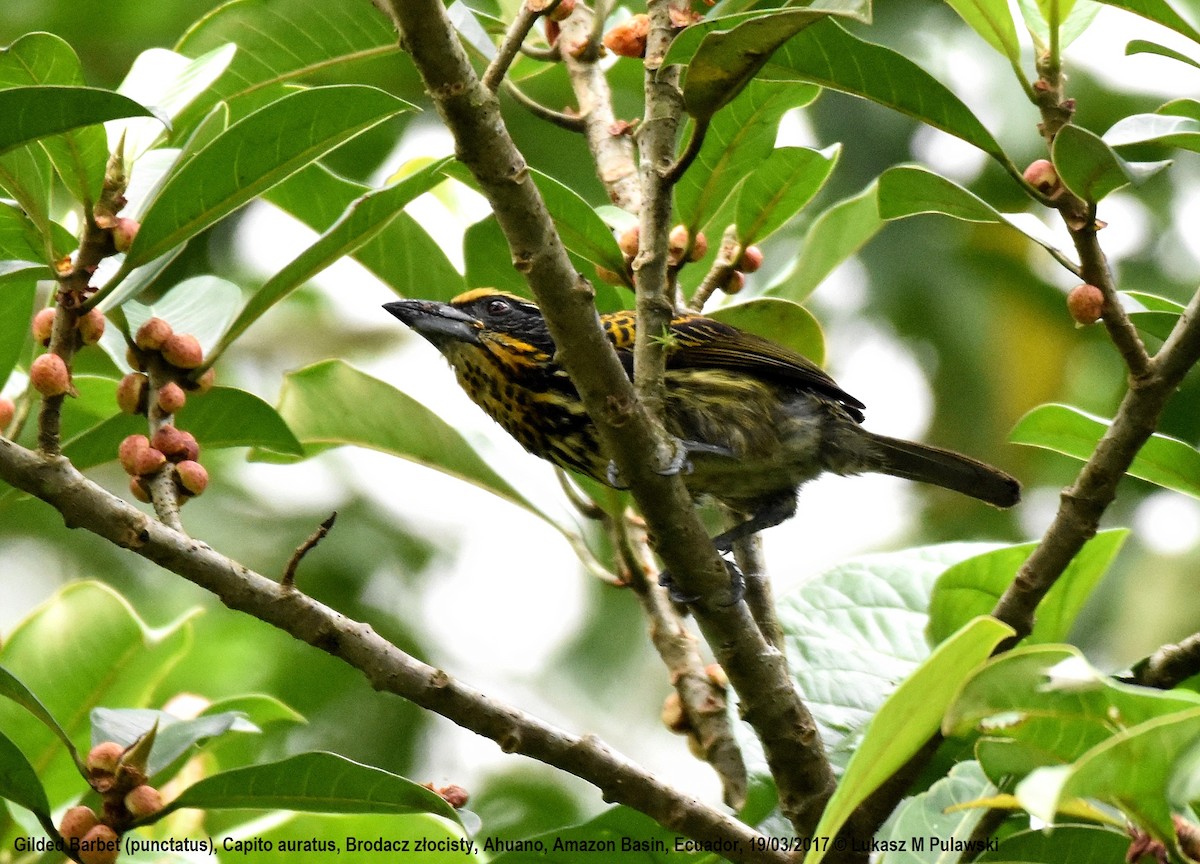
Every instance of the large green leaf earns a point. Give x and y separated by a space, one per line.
251 156
83 647
321 782
579 226
1079 844
281 41
1165 461
366 218
1087 165
835 235
1170 130
738 139
78 156
779 188
907 720
14 689
992 20
972 587
19 782
827 54
780 321
26 173
318 198
17 291
333 404
1144 46
937 813
857 630
35 112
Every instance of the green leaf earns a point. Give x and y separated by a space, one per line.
738 140
318 197
26 174
858 629
79 156
488 260
283 41
779 188
19 781
910 190
366 218
170 82
174 738
1130 771
937 812
1164 461
251 156
35 112
320 782
1159 11
828 55
992 20
19 239
17 293
1086 165
835 235
972 587
1084 844
780 321
727 59
1166 129
579 226
333 404
1143 46
1080 16
83 647
222 417
908 719
13 688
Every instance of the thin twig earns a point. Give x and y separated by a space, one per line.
1170 665
510 46
570 122
289 572
759 597
696 141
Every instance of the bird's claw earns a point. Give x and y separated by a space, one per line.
679 463
612 476
737 586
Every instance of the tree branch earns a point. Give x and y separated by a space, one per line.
757 671
86 505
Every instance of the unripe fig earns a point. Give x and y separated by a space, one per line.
171 397
563 10
629 39
49 375
751 260
101 845
192 477
139 490
123 233
77 822
91 326
455 796
1085 303
132 358
206 380
183 351
673 715
175 444
716 674
147 461
734 283
133 393
677 241
43 325
552 30
105 756
151 335
630 241
1042 176
7 410
129 453
699 248
143 801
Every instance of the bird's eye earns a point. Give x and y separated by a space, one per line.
498 307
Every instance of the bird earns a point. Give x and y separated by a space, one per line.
754 420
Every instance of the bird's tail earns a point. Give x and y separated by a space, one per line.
945 468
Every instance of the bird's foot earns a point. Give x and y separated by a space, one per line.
680 462
737 586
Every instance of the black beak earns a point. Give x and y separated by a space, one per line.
437 322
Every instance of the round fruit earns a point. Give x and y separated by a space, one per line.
734 283
143 801
192 477
171 397
77 822
151 335
101 845
1085 303
129 453
106 756
124 232
1042 176
43 325
175 444
629 39
139 490
132 393
751 260
49 375
629 242
7 410
183 351
91 326
563 10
